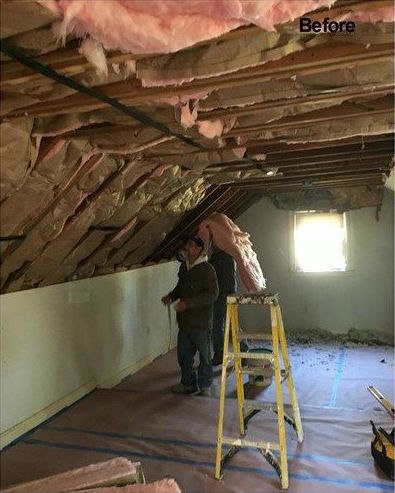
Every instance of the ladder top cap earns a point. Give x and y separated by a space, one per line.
253 299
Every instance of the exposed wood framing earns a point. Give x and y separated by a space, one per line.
311 60
289 115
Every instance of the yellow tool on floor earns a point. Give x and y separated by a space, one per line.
249 408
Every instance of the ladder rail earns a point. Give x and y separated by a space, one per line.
222 397
279 399
238 370
247 408
289 378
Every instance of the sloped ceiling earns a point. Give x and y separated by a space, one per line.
87 189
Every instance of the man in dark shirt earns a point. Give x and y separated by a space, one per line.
196 290
225 268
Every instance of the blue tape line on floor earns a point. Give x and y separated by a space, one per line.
136 437
179 460
286 404
207 445
334 408
339 371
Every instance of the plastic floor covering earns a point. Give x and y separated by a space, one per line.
176 435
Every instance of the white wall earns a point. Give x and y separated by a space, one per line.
362 298
59 342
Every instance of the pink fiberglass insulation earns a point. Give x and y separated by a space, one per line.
228 237
164 486
182 99
94 53
188 117
239 151
165 26
114 470
160 170
210 128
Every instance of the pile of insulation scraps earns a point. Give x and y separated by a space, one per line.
117 475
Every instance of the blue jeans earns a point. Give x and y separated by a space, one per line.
188 344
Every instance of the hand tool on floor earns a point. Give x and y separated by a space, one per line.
383 401
382 446
249 408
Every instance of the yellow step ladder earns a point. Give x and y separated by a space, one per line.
249 408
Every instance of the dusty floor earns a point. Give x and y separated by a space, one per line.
176 435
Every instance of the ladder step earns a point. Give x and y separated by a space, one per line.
257 337
253 299
243 442
258 356
263 406
258 371
251 405
264 372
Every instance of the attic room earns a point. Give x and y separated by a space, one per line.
197 246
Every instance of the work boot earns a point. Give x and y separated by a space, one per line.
205 391
180 388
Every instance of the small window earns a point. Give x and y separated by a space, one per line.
320 242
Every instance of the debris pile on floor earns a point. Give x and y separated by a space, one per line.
117 475
350 338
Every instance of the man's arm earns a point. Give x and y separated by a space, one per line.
209 295
175 293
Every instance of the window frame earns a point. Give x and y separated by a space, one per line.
348 251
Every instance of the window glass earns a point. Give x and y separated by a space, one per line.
320 242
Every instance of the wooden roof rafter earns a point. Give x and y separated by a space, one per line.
264 123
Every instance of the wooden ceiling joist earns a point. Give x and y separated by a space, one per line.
370 91
324 152
257 146
304 121
361 158
368 182
311 60
308 181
